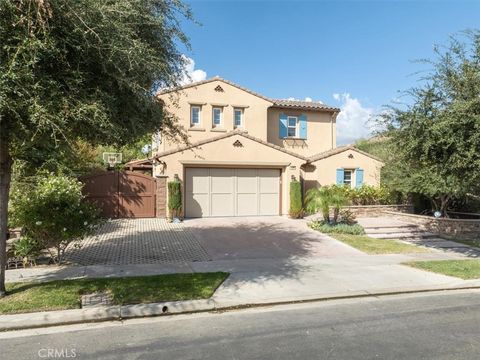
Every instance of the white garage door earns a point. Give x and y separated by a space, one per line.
231 192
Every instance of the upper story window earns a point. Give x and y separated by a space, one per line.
238 118
217 113
195 116
292 126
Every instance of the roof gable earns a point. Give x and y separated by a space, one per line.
226 135
339 150
283 103
216 78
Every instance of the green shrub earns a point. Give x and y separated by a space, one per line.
296 206
371 195
355 229
53 214
174 198
26 248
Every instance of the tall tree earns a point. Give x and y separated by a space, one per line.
82 70
436 138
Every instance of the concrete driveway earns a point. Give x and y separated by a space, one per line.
263 238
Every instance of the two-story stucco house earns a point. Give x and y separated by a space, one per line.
244 149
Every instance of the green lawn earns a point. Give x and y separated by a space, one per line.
378 246
66 294
464 269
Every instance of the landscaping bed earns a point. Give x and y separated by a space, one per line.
354 229
66 294
464 269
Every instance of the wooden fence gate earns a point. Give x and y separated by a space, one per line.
121 194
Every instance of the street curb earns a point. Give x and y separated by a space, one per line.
101 313
166 308
109 313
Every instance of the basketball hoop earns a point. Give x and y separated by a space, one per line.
112 159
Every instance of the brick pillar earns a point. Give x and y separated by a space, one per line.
161 197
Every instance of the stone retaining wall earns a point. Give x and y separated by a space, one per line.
378 210
468 229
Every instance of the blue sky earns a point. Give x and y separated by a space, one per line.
353 54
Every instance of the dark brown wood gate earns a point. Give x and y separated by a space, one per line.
121 194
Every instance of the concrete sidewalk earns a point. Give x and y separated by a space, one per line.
272 280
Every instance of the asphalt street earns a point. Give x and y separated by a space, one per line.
421 326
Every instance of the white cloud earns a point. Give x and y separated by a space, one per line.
190 73
352 122
307 99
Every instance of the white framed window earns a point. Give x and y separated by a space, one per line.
348 178
292 126
217 114
238 118
195 116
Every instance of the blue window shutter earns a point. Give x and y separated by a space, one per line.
358 177
302 119
339 176
282 126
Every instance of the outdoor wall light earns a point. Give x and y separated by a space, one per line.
175 177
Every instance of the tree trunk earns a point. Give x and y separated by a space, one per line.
444 202
5 178
336 212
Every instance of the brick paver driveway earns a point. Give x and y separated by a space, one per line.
268 237
138 241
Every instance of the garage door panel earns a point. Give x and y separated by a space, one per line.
222 205
268 181
268 204
198 179
246 181
247 204
198 205
221 181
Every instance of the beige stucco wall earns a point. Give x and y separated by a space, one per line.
320 131
323 172
255 111
231 156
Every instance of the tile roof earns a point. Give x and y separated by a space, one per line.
139 162
339 150
294 104
314 105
